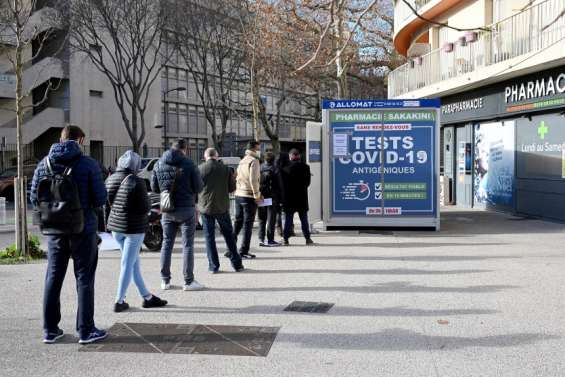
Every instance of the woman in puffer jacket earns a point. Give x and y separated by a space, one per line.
128 219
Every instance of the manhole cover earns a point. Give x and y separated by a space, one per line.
187 339
308 307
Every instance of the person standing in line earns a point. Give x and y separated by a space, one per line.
214 205
128 206
270 188
176 173
247 196
65 159
296 179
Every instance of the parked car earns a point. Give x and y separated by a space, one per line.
147 166
7 180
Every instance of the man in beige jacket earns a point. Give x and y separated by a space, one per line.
247 196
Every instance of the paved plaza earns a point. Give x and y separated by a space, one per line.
485 296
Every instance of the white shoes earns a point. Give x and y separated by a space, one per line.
194 286
165 286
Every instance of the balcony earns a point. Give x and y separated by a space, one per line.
33 76
536 29
36 125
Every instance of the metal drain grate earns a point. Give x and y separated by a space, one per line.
187 339
309 307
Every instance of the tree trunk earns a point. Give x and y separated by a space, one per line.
135 143
20 200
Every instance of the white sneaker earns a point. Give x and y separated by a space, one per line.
165 286
194 286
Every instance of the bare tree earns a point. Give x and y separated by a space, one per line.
124 40
21 25
207 38
274 45
354 31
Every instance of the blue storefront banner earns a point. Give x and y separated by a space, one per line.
383 161
380 104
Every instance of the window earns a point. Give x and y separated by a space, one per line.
192 120
96 93
183 119
172 123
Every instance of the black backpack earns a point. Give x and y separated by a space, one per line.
59 209
266 183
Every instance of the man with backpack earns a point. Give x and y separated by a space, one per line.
269 187
177 178
66 190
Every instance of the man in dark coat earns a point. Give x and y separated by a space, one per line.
177 173
81 247
270 188
295 177
214 205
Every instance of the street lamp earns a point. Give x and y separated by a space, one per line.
164 125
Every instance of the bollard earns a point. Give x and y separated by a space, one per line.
2 211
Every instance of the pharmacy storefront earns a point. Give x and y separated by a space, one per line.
503 146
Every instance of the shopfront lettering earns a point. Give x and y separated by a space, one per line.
544 87
457 107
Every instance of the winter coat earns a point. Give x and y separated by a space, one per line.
218 183
86 173
248 176
188 182
295 177
270 185
128 201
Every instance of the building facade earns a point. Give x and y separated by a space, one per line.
501 79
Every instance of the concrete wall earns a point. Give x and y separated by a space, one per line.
100 116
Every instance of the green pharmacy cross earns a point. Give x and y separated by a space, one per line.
542 130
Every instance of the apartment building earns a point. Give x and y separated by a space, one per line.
82 95
499 68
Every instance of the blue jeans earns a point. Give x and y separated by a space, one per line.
245 209
185 218
288 217
209 224
84 252
130 244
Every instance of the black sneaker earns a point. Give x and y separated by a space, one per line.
120 307
227 254
239 269
285 243
52 337
248 256
309 242
262 243
153 302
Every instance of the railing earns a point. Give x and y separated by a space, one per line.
402 12
534 29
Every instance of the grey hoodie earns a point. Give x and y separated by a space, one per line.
130 161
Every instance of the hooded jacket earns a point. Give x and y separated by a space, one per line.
127 197
248 176
188 182
86 173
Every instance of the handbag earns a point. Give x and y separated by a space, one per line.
166 197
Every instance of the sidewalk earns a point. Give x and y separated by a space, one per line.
483 297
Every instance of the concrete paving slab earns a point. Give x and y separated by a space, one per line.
483 297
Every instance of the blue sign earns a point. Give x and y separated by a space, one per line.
314 151
380 104
383 162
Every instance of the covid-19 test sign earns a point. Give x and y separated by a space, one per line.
381 165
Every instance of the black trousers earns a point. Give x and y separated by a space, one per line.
82 248
268 221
